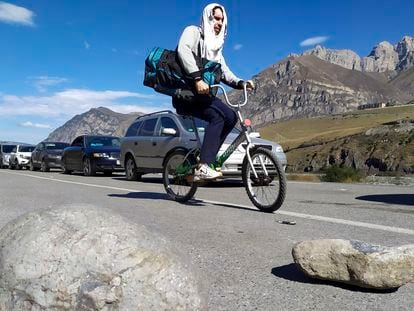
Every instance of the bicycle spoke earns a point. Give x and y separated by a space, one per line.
264 182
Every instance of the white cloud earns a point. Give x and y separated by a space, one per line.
35 125
314 40
13 14
43 82
74 101
86 45
238 47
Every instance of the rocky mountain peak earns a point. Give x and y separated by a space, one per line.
344 58
384 57
405 50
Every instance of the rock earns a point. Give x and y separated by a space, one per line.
382 58
344 58
356 263
88 258
405 50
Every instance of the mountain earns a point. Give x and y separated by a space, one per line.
384 57
101 121
306 86
324 81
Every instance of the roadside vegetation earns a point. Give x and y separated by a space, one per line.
310 131
336 173
375 141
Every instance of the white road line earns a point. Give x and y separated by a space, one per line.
348 222
293 214
75 182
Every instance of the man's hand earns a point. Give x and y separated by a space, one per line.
201 87
250 85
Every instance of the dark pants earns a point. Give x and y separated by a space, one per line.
221 120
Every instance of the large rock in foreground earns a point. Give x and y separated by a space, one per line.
355 262
84 258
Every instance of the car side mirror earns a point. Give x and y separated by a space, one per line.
169 131
254 134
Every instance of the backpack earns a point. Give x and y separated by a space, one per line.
164 74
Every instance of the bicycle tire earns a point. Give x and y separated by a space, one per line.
268 191
179 186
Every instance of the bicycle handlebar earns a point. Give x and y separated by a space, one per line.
227 99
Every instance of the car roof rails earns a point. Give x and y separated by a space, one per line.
156 112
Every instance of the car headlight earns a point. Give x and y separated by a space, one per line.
100 155
21 156
279 149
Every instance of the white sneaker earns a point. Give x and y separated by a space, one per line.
205 172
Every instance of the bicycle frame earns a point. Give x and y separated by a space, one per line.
243 136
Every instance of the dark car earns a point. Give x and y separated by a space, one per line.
91 154
47 155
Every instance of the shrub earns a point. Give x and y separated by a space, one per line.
337 173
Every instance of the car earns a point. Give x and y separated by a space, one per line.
5 150
47 155
20 156
91 154
150 138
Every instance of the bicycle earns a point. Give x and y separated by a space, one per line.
262 174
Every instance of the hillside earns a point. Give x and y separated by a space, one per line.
372 140
405 81
307 86
324 81
101 121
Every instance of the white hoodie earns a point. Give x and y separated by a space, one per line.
202 41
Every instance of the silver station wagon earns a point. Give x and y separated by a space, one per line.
150 138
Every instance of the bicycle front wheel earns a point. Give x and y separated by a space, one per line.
266 189
178 176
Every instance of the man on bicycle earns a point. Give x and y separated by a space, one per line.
207 41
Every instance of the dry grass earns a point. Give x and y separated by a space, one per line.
291 134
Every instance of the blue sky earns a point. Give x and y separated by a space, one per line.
61 58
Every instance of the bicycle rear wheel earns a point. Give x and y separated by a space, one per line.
267 191
178 176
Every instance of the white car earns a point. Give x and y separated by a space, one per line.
20 156
5 150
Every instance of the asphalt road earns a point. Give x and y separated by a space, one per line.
243 256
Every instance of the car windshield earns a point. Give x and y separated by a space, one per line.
8 148
103 141
56 146
201 125
26 148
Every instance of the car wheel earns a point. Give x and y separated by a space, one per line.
44 167
31 166
17 165
131 172
64 168
11 166
88 169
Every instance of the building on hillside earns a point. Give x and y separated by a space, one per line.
373 105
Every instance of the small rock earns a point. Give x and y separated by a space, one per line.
355 262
